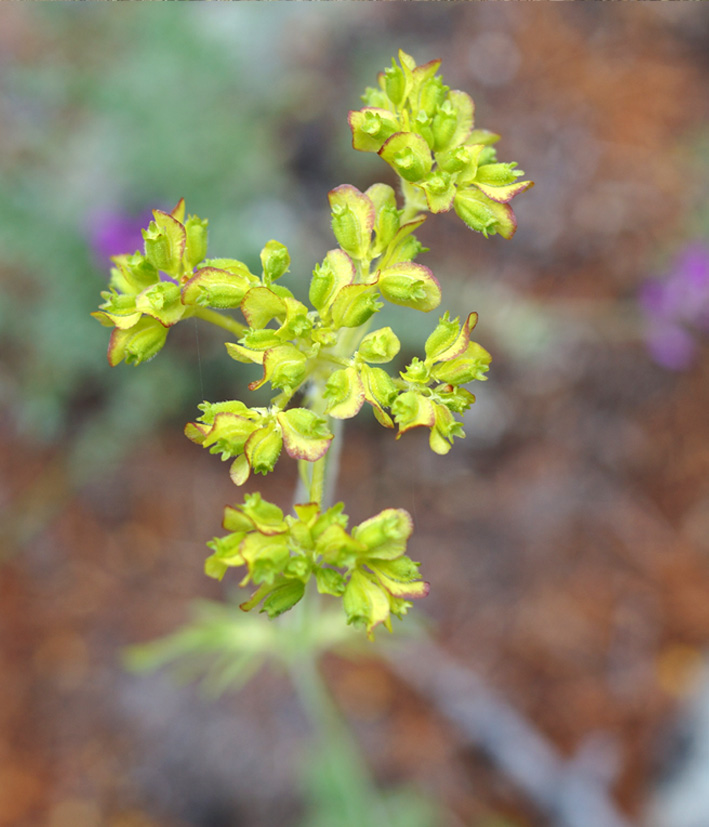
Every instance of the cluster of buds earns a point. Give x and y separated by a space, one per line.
367 567
323 355
424 131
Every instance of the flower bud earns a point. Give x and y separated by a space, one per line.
410 285
352 219
473 364
385 534
380 346
483 214
275 260
395 83
433 93
411 410
137 344
344 394
263 448
408 154
354 305
210 287
196 230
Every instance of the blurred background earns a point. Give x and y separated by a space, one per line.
566 539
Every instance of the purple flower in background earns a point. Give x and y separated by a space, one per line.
677 308
113 232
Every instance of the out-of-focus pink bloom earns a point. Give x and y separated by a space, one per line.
677 309
113 232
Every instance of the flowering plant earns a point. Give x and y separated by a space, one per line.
323 362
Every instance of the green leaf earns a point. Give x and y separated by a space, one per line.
410 285
305 434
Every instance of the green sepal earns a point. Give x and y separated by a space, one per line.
162 302
227 549
118 310
439 189
235 520
215 568
464 108
461 162
275 260
263 448
445 428
365 602
133 273
457 400
178 211
395 83
379 346
472 364
240 470
284 367
138 344
329 581
385 535
432 95
232 265
498 174
278 597
353 217
227 435
379 391
416 371
337 547
449 339
483 214
260 305
410 285
482 136
504 194
336 271
398 247
371 127
354 305
265 516
212 287
408 154
400 577
266 556
388 217
232 406
444 125
412 410
196 240
305 434
344 393
242 354
261 339
165 241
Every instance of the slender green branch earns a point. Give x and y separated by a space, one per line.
218 319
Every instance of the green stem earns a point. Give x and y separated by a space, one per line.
338 755
216 318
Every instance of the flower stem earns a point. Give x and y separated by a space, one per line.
218 319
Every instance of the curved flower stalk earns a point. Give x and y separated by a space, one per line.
321 361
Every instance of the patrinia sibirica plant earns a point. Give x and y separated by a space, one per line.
325 361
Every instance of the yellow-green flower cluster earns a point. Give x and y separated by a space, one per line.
367 567
425 132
